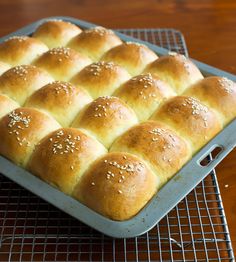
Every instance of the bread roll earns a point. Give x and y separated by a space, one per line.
55 33
101 78
218 93
6 105
62 157
94 42
132 56
117 186
190 118
3 67
160 147
106 118
21 130
61 99
21 81
21 50
175 69
144 93
62 62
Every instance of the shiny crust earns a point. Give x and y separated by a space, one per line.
55 33
6 105
63 156
62 62
106 118
160 147
3 67
101 78
218 93
94 42
60 99
175 69
117 186
21 50
21 81
144 93
132 56
190 118
21 130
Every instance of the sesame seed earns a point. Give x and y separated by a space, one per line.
93 184
120 192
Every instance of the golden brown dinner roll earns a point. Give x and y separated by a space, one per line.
21 50
190 118
3 67
62 157
21 130
144 93
160 147
118 186
94 42
101 78
175 69
62 62
106 118
132 56
55 33
6 105
61 99
218 93
21 81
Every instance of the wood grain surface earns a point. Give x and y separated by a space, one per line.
208 26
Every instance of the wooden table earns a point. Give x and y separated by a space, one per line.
208 26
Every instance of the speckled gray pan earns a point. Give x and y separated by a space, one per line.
169 195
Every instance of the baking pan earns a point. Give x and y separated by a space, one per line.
167 197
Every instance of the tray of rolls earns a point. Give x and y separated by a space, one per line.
108 128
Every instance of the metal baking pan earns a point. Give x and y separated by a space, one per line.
167 197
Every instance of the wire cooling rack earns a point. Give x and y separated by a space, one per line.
195 230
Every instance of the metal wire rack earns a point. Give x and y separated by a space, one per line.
195 230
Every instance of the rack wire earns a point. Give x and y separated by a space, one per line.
195 230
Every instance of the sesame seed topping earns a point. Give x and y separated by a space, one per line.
120 192
171 53
98 30
15 120
93 184
62 87
226 84
17 38
64 145
60 52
